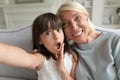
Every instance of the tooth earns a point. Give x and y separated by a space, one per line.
77 33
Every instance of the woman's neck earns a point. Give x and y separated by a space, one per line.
93 36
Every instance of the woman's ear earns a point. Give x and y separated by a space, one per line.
86 16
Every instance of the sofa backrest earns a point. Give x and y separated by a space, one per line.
108 30
22 38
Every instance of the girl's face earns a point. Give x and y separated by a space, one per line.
75 26
52 39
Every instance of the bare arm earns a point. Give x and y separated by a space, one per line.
15 56
74 61
65 74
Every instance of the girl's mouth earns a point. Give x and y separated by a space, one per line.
57 46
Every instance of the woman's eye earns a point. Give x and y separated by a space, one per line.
77 18
65 24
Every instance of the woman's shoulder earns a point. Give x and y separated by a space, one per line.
113 38
111 35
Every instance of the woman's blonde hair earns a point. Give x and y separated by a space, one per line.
75 6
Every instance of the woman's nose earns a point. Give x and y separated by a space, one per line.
74 25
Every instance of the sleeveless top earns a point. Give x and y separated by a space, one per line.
49 70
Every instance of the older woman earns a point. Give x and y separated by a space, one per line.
99 52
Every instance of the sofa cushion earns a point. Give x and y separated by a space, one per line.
21 37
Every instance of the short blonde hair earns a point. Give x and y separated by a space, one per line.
75 6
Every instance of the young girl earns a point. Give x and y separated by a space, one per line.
57 62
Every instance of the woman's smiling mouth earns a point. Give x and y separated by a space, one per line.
77 34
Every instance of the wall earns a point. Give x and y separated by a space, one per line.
21 15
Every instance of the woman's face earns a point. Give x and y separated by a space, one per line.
52 40
75 26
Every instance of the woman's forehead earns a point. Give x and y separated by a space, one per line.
69 14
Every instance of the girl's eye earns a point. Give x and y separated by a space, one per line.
48 33
58 30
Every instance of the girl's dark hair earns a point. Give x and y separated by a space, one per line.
40 25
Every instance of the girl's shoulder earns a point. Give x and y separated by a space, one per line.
73 56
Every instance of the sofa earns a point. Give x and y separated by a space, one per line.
21 37
117 31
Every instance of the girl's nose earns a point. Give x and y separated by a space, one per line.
56 35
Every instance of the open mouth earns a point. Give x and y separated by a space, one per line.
58 46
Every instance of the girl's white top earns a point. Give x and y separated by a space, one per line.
49 70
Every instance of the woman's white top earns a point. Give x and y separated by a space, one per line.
49 70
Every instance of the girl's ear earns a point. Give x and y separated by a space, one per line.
40 42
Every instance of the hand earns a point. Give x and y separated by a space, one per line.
60 57
34 51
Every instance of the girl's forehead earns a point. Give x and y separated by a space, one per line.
53 28
49 26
